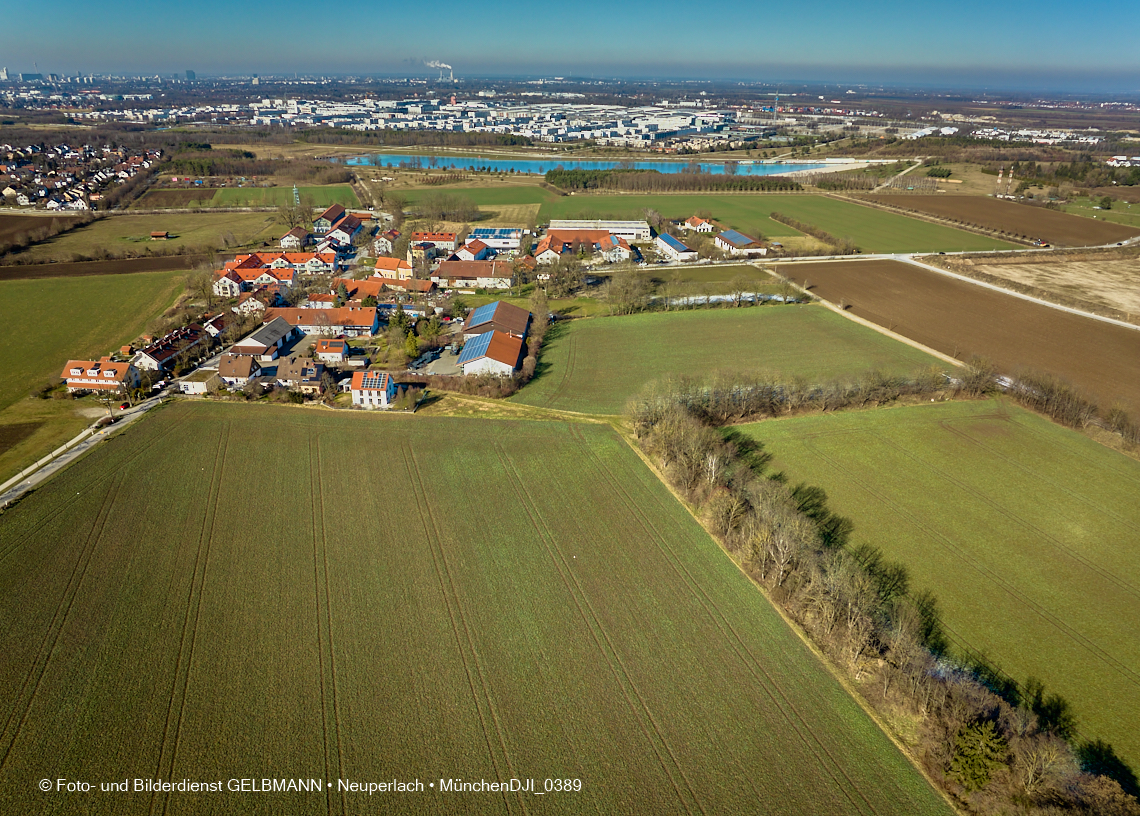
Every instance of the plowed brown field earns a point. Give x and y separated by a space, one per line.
1051 226
962 319
13 225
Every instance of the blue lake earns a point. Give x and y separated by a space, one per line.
540 166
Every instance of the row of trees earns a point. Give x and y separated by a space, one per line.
993 746
653 181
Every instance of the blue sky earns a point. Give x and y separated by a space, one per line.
1044 44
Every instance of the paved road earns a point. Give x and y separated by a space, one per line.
87 440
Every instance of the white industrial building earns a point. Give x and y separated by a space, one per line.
629 230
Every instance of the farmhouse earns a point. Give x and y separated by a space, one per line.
347 320
393 268
495 352
235 370
442 240
698 224
331 350
99 375
672 248
267 341
497 316
372 389
629 230
735 243
161 354
473 275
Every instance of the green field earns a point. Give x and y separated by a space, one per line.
324 196
422 598
1121 213
596 366
121 232
52 320
873 230
1025 531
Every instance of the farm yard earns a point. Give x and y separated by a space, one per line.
1051 226
964 320
596 366
522 600
1024 530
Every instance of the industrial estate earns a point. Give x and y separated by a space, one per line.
417 445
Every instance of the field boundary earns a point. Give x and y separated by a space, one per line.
829 666
918 215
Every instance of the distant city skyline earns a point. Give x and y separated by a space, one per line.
1018 45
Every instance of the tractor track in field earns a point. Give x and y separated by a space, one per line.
325 634
47 647
1073 635
608 651
571 354
64 505
730 633
176 708
450 594
1131 475
946 424
982 498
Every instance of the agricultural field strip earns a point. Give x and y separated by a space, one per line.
985 284
324 627
465 643
963 557
177 704
731 635
649 725
567 371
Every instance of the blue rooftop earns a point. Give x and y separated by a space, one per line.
673 243
736 238
476 347
496 232
483 314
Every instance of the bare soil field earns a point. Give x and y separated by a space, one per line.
1104 282
12 435
13 225
125 266
963 320
1051 226
161 199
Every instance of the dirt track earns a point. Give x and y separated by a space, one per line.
1051 226
963 320
81 268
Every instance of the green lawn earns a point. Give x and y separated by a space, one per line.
596 366
872 230
427 599
1027 533
1121 213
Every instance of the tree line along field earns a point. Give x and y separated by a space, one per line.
497 600
1025 531
1051 226
322 196
131 233
873 230
964 320
596 366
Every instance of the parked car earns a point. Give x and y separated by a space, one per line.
124 406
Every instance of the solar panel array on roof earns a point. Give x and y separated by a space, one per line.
496 232
735 238
673 243
374 380
475 348
483 314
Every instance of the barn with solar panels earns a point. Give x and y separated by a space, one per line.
494 353
497 316
372 389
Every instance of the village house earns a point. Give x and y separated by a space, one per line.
296 239
345 230
266 342
102 375
473 275
330 350
735 243
472 251
697 224
161 354
372 389
300 374
497 316
496 353
614 249
320 301
236 370
442 240
328 219
347 320
385 242
202 381
393 268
